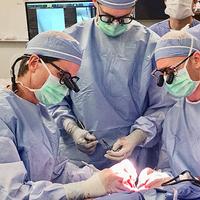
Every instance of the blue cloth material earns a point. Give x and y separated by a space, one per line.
124 196
195 31
181 138
118 4
161 28
166 48
185 191
117 93
56 45
30 167
181 191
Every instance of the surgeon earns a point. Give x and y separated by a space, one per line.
177 57
180 13
30 166
178 65
119 110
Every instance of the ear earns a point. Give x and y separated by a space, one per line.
33 63
196 59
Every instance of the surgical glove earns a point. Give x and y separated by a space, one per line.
85 141
150 178
124 146
101 183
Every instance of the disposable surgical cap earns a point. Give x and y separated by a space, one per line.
176 43
56 45
195 31
118 4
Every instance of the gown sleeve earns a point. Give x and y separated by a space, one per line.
13 179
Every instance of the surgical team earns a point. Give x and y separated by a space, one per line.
107 109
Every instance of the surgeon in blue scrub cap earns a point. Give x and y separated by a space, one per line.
178 72
30 166
119 110
180 14
177 56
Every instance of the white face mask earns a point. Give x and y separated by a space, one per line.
179 9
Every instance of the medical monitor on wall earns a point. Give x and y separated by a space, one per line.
56 15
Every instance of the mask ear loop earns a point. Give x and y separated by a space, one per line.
191 47
12 72
44 64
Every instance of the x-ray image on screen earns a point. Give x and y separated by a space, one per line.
56 15
83 14
54 21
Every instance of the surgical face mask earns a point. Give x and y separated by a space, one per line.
178 81
179 9
52 92
182 84
113 29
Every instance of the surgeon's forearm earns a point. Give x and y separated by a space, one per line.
70 125
74 191
138 137
90 188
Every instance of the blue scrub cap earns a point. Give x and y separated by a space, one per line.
176 43
56 45
118 4
195 31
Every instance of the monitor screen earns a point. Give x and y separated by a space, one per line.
56 15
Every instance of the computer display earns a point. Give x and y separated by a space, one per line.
56 15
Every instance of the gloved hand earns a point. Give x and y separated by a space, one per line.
85 141
124 146
150 178
101 183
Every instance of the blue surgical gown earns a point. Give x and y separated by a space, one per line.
180 191
195 31
180 151
30 167
181 139
161 28
117 93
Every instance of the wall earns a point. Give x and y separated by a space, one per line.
8 52
13 20
13 34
